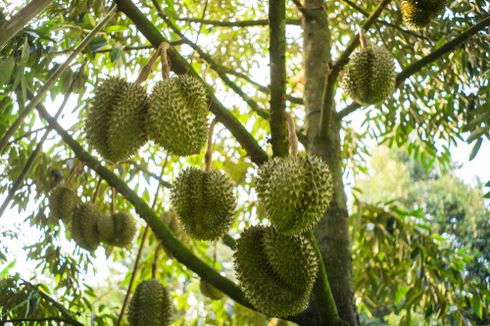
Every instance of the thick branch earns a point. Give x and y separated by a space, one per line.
10 28
277 57
425 61
181 66
243 23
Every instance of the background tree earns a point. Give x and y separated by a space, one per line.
442 91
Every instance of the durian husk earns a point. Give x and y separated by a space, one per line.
177 115
295 192
258 279
84 226
205 202
115 121
117 229
210 291
62 202
369 77
417 14
150 305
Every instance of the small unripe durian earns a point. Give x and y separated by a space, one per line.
177 116
417 14
260 281
84 226
62 202
115 122
205 202
117 229
150 305
210 291
369 77
295 192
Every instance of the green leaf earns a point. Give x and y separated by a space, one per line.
476 305
24 57
478 132
115 54
116 28
476 148
6 69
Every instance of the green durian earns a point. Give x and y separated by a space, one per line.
205 202
150 305
417 14
84 226
117 229
294 192
369 77
177 116
259 280
281 251
115 121
210 291
62 202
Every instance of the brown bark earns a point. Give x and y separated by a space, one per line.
332 231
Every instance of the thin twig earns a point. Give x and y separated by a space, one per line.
97 190
209 150
239 23
53 78
27 134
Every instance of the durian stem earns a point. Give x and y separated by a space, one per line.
293 138
209 150
362 39
164 60
325 302
97 190
154 266
113 200
145 71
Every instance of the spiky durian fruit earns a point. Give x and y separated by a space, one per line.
62 202
115 122
417 14
150 305
260 278
210 291
369 77
205 202
295 192
117 229
177 116
84 225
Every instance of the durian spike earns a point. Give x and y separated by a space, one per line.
293 138
362 39
97 190
145 71
209 150
164 60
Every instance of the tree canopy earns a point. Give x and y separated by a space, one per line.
419 256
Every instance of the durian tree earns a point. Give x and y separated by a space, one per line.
296 91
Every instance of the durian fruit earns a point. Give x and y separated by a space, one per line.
115 122
294 192
177 116
417 14
268 284
369 77
150 305
205 202
117 229
210 291
62 202
84 226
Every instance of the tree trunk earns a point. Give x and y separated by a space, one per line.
333 230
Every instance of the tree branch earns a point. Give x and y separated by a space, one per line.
45 319
277 57
52 80
216 67
243 23
425 61
180 66
11 27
